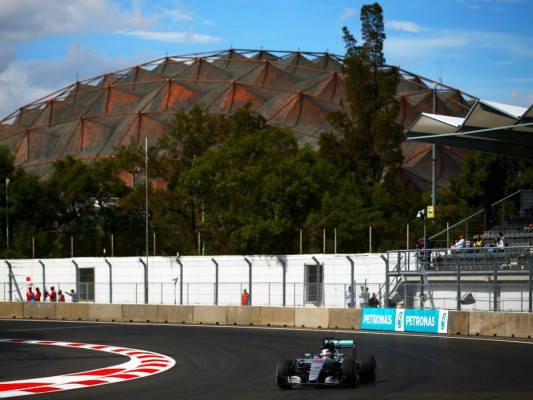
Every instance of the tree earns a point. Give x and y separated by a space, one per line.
228 182
86 198
366 140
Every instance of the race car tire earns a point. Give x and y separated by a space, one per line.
368 368
283 371
348 371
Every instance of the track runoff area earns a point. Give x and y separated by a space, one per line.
141 364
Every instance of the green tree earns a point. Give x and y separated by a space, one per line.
366 140
86 198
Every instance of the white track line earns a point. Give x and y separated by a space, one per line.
141 364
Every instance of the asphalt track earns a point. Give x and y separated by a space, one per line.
239 362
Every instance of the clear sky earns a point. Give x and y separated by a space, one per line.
483 47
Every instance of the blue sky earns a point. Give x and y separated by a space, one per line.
483 47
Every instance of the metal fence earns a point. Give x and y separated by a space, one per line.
261 294
488 279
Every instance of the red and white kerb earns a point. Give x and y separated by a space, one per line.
141 364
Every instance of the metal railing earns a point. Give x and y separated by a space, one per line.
447 275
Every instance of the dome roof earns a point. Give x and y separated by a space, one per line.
294 90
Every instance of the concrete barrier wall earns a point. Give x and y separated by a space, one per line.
344 318
9 309
518 325
458 322
238 315
311 317
277 316
486 324
105 312
40 310
175 314
210 315
72 311
139 313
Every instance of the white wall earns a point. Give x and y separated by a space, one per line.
128 274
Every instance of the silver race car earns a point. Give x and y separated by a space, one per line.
328 368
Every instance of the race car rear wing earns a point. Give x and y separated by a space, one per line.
338 343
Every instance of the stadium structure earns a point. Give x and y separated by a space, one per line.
92 118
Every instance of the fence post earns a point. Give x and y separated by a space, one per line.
387 280
318 282
249 280
352 282
530 265
44 279
458 283
284 269
110 281
145 279
216 281
495 300
181 278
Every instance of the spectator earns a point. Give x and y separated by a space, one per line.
73 296
245 298
461 243
30 296
349 298
60 296
362 297
478 242
502 238
52 294
373 301
37 294
498 244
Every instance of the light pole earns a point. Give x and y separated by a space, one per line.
7 213
422 214
146 220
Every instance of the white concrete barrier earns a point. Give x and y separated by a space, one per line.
277 316
105 312
216 315
311 317
40 310
175 314
11 309
519 325
244 315
72 311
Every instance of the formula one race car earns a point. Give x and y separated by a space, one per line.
328 368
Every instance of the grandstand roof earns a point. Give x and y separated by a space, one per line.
296 90
489 127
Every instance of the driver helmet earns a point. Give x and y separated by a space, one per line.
326 353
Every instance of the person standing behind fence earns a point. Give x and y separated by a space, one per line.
349 298
52 294
245 298
362 297
30 296
373 302
60 296
73 296
37 294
